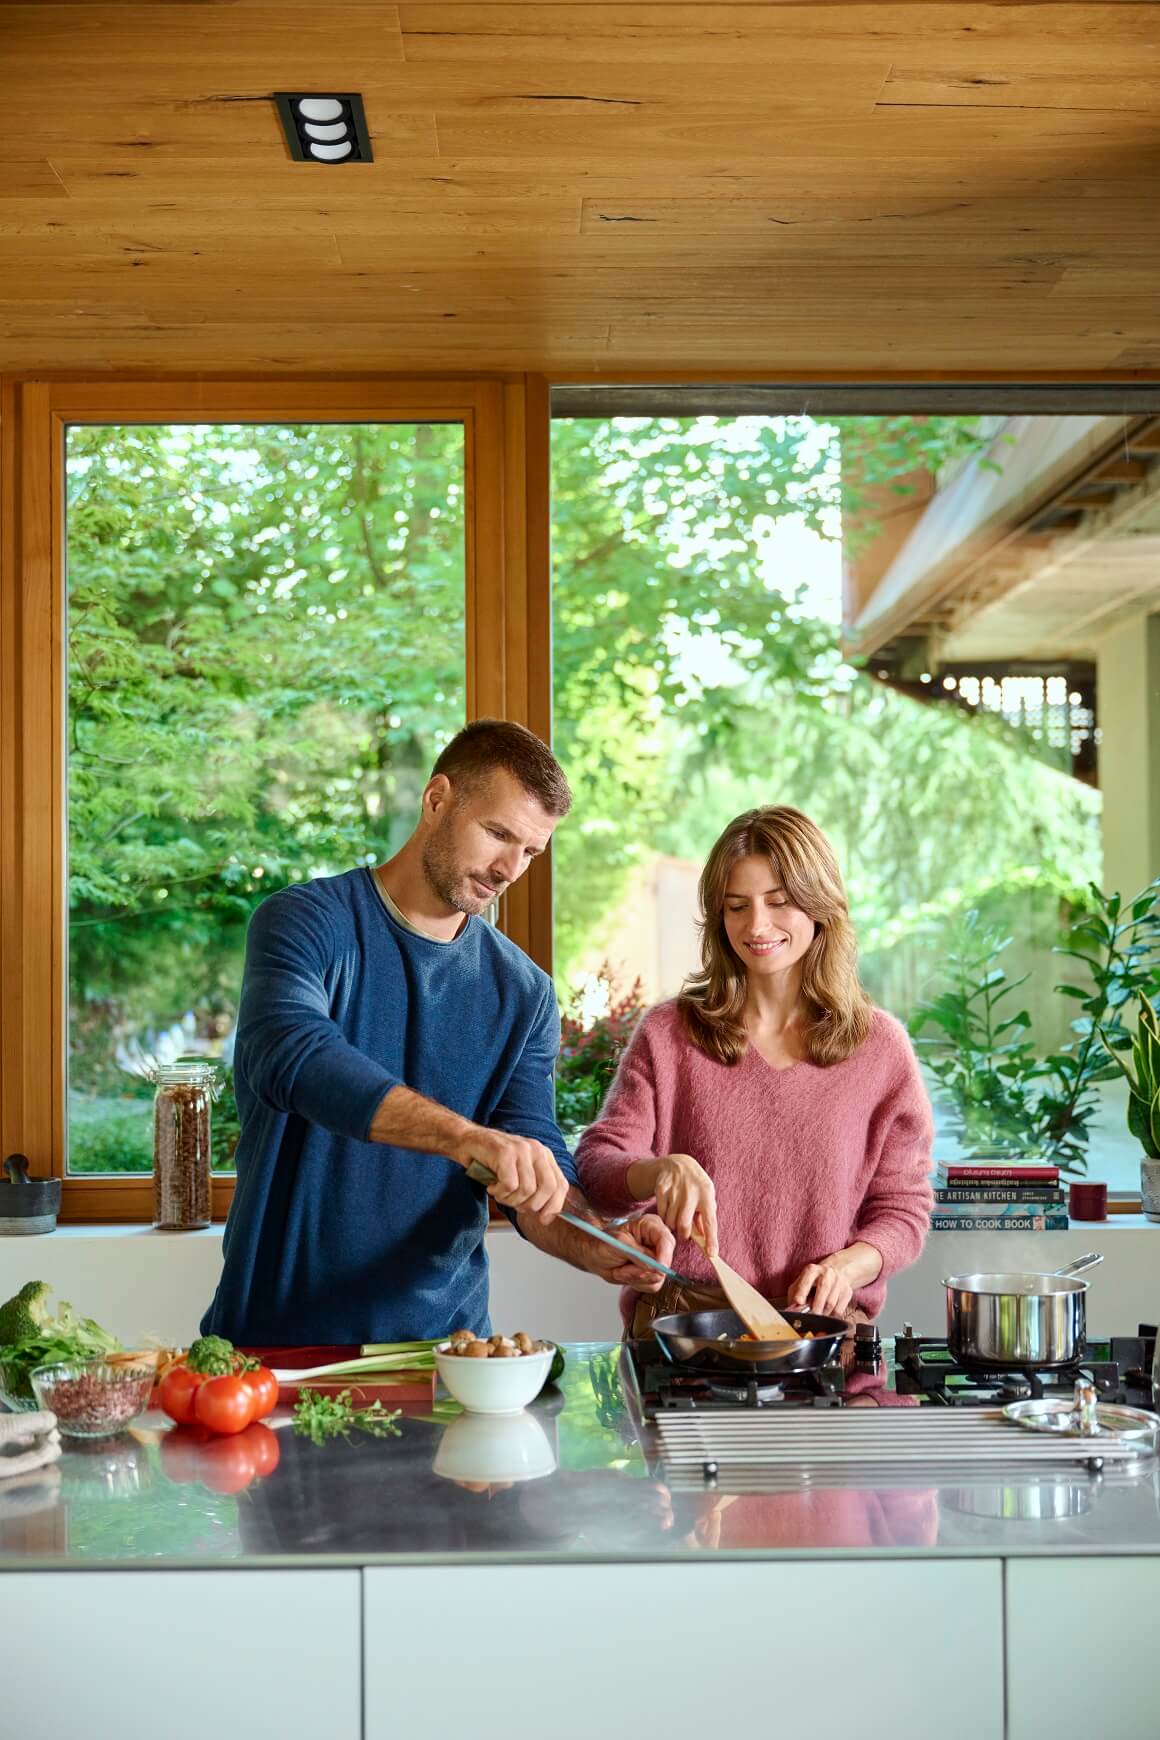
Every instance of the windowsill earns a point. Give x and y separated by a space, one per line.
99 1229
111 1229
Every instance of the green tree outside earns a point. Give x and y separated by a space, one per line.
265 647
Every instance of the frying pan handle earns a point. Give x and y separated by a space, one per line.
1081 1263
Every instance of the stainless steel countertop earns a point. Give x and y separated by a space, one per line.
437 1493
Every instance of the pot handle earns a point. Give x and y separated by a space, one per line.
1081 1263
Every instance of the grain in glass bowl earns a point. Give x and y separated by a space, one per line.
92 1399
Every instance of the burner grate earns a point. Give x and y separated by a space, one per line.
925 1367
666 1388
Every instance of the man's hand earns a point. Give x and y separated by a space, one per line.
650 1234
527 1176
647 1231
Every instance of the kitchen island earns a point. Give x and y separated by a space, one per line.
461 1573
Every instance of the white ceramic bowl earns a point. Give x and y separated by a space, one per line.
508 1448
494 1386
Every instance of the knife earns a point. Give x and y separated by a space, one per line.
630 1253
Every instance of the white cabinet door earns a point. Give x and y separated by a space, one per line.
1082 1639
134 1655
874 1650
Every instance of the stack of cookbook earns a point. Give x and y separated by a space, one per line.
1004 1193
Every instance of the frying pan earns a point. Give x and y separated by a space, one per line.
693 1339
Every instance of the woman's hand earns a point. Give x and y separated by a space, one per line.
828 1285
823 1288
685 1198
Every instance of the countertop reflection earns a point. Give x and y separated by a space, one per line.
577 1477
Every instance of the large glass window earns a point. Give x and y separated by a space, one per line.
701 569
265 651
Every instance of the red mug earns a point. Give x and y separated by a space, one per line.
1087 1202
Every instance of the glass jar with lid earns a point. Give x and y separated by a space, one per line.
182 1133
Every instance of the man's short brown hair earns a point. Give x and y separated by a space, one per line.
486 744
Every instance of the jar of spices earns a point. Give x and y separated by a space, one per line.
182 1110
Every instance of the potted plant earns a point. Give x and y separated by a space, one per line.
1144 1101
1004 1097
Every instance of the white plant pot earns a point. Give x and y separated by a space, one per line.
1150 1188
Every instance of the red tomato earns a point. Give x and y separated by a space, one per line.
264 1389
263 1446
180 1453
224 1404
178 1390
226 1464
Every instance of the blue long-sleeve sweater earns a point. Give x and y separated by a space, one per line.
331 1237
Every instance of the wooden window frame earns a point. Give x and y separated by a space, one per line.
508 669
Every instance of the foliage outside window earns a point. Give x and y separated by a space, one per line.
265 653
265 642
698 671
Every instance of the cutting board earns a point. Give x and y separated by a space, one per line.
392 1388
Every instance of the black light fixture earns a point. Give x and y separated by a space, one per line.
324 126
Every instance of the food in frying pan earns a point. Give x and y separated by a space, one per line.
804 1335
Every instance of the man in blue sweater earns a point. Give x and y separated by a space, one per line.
389 1036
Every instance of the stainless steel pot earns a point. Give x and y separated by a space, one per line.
1018 1319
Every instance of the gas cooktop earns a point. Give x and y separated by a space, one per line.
1120 1368
913 1371
666 1388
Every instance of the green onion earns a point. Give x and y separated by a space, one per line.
393 1347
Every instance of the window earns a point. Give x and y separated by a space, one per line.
744 613
218 599
265 653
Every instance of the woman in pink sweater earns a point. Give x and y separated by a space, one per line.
771 1107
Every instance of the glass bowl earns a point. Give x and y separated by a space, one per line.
92 1399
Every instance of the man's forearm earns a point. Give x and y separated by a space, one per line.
405 1119
558 1239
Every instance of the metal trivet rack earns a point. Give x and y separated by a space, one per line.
861 1440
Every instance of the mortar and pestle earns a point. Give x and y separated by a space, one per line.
27 1205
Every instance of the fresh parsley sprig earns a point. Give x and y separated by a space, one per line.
320 1417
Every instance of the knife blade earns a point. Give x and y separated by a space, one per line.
630 1253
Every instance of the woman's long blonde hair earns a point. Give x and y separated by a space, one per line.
712 1002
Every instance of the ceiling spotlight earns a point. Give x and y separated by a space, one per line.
324 126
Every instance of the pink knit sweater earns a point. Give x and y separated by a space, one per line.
804 1160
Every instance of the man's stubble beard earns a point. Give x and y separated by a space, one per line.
448 878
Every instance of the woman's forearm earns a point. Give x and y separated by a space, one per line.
641 1180
860 1263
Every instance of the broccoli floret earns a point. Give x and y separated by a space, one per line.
25 1314
28 1316
30 1336
213 1355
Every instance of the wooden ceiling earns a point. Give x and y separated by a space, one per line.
763 191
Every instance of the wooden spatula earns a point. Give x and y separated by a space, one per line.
757 1314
